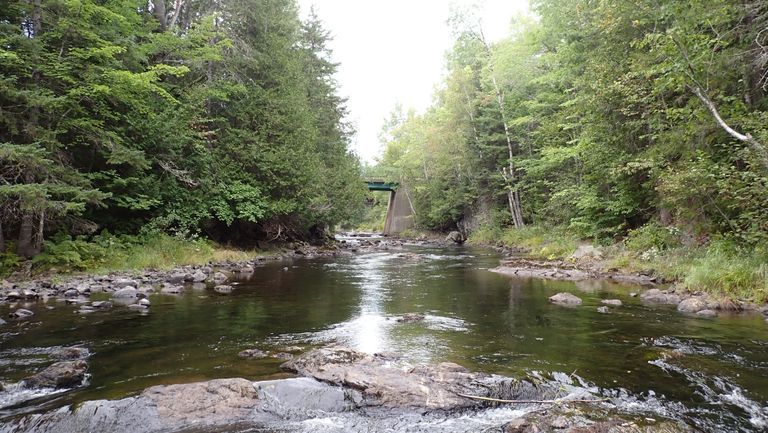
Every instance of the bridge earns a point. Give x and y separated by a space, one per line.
399 208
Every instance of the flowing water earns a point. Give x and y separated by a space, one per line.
711 374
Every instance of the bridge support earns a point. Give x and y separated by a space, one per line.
399 212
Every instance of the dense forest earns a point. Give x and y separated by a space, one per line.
186 117
609 119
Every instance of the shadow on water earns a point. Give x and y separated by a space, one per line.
712 374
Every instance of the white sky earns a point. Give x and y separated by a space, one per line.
392 51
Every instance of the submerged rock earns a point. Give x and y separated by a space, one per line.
65 374
565 298
223 289
612 302
70 353
22 313
692 305
253 354
411 317
126 293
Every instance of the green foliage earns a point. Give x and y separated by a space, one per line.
543 242
112 117
730 270
652 236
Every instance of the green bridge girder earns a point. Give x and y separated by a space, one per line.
381 185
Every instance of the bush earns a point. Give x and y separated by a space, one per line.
731 270
652 236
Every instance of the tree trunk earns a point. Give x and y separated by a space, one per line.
513 195
160 13
38 243
25 246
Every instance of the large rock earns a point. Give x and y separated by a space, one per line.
586 252
65 374
22 313
692 305
657 296
455 237
385 382
565 298
126 293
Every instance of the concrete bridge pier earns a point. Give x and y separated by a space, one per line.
399 213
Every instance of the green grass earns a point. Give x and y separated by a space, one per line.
547 243
721 268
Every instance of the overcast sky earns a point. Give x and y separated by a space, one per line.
392 51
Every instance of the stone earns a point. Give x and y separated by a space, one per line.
283 355
124 282
633 294
70 353
707 313
125 293
247 269
411 318
138 307
219 278
13 295
565 298
656 296
199 276
29 294
22 313
171 290
64 374
101 305
2 322
560 422
176 278
603 309
692 305
71 293
253 354
145 302
612 302
455 237
223 289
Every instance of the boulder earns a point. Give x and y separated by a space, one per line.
171 290
565 298
124 282
65 374
384 381
692 305
603 309
657 296
219 278
455 237
223 289
199 276
13 295
144 302
101 305
126 292
22 313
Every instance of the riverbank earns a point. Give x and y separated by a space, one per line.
720 268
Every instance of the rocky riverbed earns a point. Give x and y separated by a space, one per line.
342 390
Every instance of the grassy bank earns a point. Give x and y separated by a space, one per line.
721 267
106 253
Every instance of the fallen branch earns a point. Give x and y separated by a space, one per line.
556 401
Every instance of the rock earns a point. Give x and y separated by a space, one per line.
728 305
2 322
658 297
138 307
385 383
565 298
223 289
124 282
219 278
126 292
560 422
633 294
71 293
247 269
253 354
692 305
144 302
86 309
13 295
22 313
176 278
518 425
612 302
282 355
171 290
604 310
707 313
455 237
65 374
29 294
101 305
411 318
586 252
70 353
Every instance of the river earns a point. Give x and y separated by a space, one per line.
711 374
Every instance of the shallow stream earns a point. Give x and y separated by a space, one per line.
711 374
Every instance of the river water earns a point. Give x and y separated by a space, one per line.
711 374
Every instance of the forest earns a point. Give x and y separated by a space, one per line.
125 120
639 125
